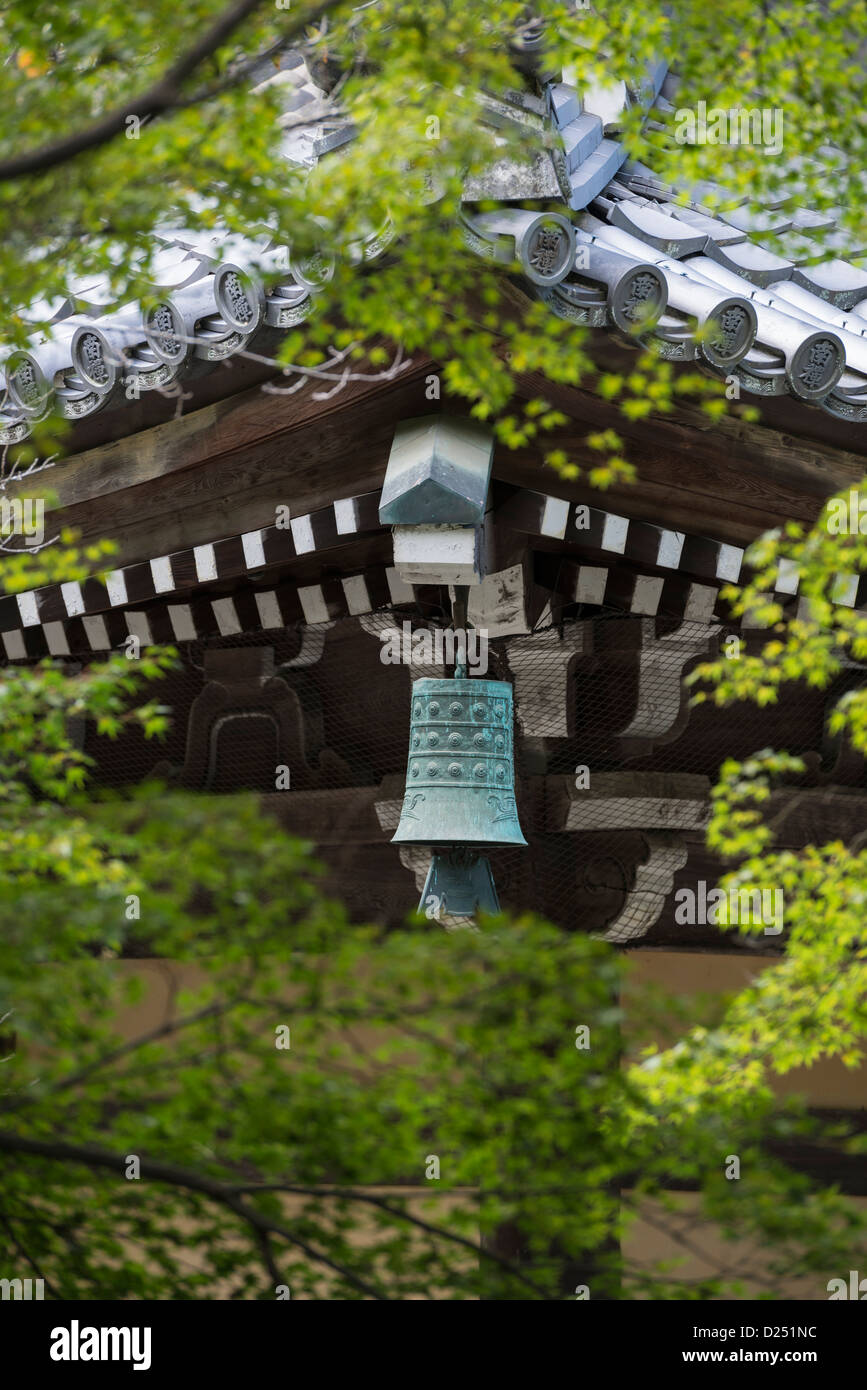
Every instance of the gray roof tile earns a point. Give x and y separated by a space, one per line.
713 197
758 223
592 176
797 247
783 319
668 234
805 220
580 138
633 291
565 103
760 266
712 227
842 284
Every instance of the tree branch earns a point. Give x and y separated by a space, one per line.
157 100
91 1156
25 1256
162 1030
353 1195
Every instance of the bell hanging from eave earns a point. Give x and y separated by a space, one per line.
460 788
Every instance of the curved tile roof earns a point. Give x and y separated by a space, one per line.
616 247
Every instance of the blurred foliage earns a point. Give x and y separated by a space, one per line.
262 1166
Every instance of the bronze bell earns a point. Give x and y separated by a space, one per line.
460 787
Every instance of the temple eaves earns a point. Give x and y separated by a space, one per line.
612 247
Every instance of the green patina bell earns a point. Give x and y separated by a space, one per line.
460 788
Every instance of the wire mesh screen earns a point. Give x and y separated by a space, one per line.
613 769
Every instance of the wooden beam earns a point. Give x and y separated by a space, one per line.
728 478
226 469
236 422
